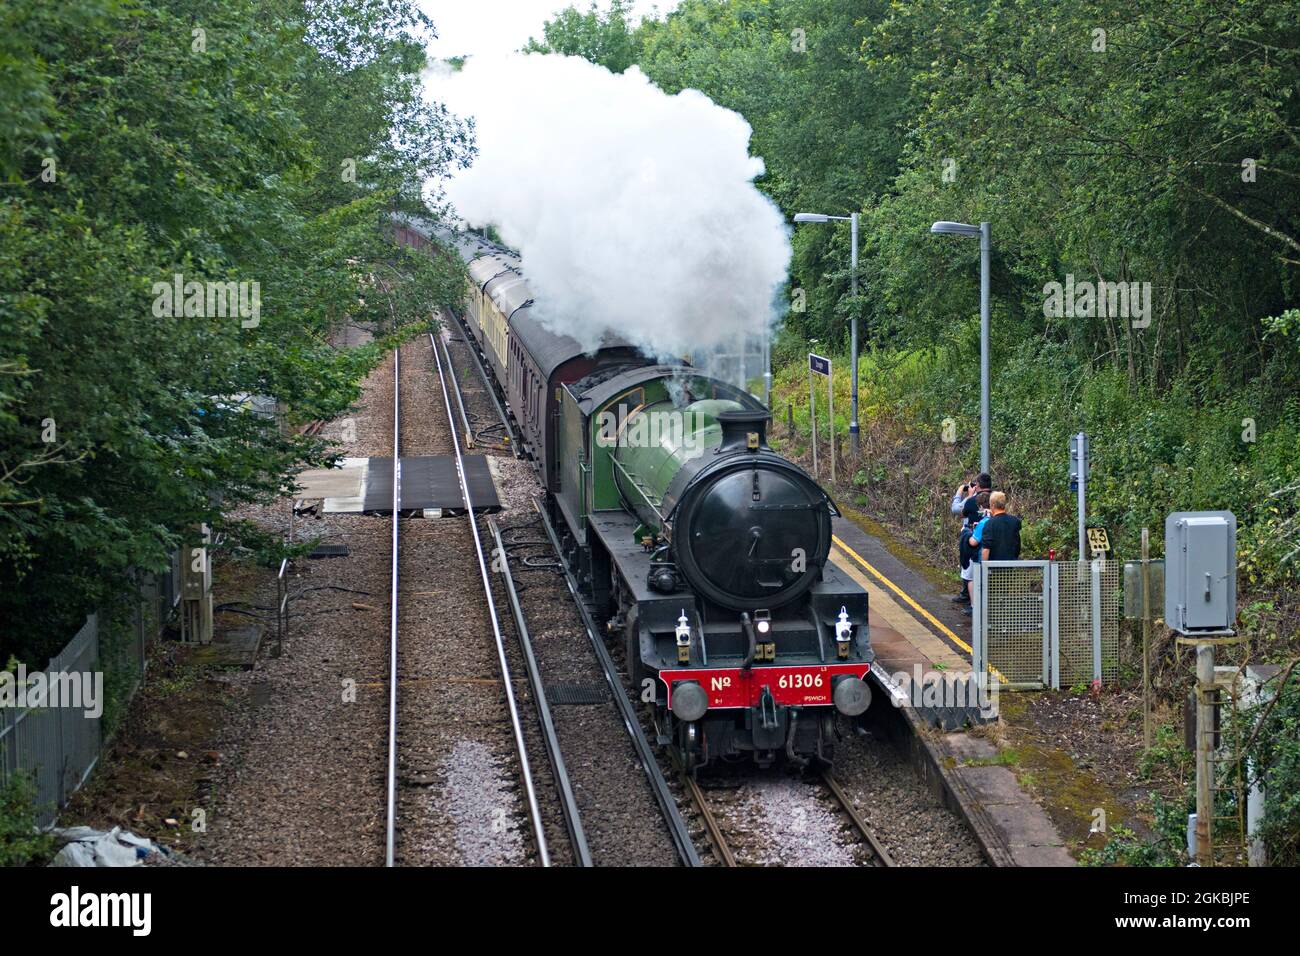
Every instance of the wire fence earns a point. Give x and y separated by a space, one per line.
1047 623
55 731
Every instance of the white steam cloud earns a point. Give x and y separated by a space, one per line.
634 212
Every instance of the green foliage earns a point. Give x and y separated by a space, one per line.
269 549
1124 847
1163 152
21 843
269 146
604 38
1168 753
1274 752
1271 736
1154 450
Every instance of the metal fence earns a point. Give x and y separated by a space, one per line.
1047 623
59 746
1087 625
281 607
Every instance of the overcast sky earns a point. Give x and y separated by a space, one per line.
501 26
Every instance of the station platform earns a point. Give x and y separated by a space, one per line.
916 628
911 622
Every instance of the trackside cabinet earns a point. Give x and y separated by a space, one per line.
1201 572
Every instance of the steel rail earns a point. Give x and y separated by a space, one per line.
516 443
391 822
568 802
882 855
534 811
719 840
460 401
677 828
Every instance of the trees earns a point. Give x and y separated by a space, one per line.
1158 146
607 39
253 142
830 131
1108 143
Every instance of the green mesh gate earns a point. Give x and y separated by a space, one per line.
1043 623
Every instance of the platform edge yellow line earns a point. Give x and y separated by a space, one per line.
901 593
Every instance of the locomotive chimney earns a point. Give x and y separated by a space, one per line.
743 430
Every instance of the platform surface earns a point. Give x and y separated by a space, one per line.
913 625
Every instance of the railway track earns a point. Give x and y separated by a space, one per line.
880 856
568 802
478 433
446 372
667 800
390 825
676 825
725 855
415 664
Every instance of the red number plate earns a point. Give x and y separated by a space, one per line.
808 686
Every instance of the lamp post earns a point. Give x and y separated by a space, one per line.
767 371
982 233
853 319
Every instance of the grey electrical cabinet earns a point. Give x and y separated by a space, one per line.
1201 572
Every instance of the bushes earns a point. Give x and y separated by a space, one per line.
21 844
1126 848
1271 733
1275 756
1181 449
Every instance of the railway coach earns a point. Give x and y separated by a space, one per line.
706 553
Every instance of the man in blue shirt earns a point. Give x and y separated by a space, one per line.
998 535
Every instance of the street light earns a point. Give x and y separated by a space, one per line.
853 319
981 232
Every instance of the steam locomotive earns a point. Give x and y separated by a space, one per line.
705 551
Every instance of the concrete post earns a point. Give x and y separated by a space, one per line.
1146 638
1205 691
853 348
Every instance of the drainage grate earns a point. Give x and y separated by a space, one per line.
568 693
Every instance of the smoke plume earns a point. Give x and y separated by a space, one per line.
634 212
